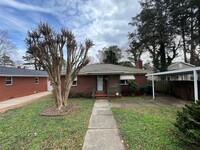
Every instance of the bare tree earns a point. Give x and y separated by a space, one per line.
6 46
49 47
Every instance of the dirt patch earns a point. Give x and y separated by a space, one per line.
52 111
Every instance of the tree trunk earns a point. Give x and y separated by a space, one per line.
192 40
59 98
66 89
184 45
163 65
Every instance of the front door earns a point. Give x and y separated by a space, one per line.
99 83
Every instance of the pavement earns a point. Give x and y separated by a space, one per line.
102 133
20 101
164 101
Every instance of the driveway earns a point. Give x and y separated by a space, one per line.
159 101
20 101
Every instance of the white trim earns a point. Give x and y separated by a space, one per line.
75 79
74 84
11 79
186 70
127 77
37 80
126 83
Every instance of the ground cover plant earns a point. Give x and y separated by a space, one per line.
149 128
24 128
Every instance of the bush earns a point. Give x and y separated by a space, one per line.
188 123
80 95
132 86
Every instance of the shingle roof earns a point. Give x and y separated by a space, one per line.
110 69
10 71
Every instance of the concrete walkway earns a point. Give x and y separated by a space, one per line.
102 132
16 102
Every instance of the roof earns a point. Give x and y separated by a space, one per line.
102 69
179 65
10 71
179 71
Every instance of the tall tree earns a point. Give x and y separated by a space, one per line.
155 32
48 47
186 18
110 55
135 48
31 60
6 61
6 46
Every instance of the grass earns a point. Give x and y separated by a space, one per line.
149 128
131 99
24 128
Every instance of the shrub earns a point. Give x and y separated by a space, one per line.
188 123
132 86
80 95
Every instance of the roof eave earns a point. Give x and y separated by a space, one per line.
10 75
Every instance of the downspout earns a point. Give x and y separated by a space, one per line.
196 96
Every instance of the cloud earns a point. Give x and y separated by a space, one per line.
23 6
103 21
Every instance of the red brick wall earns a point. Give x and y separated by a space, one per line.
125 90
140 79
84 84
22 86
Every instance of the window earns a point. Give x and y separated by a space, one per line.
74 83
9 81
123 82
37 81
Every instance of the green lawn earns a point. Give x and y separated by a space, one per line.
149 128
24 128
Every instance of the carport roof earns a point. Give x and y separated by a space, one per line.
179 71
193 70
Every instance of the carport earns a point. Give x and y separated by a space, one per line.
194 71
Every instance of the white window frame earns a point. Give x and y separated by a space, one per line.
11 80
75 81
37 80
125 83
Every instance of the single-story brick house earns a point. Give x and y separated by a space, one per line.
17 82
93 80
103 80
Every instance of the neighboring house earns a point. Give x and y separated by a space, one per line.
180 65
102 80
17 82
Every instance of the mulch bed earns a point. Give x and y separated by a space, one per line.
52 111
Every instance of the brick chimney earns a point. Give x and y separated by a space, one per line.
138 64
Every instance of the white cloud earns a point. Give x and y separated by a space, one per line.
103 21
23 6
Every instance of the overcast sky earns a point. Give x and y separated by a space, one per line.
103 21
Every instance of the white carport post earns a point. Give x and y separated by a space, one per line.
196 97
153 89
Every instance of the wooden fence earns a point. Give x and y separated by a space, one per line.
180 89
